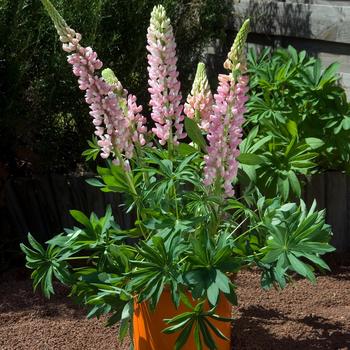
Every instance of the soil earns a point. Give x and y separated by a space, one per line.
302 316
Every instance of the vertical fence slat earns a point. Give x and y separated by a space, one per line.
336 197
78 200
63 199
15 209
316 190
94 199
48 205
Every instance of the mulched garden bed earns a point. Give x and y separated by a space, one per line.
303 317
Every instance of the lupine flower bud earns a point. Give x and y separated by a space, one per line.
200 100
110 78
235 58
163 78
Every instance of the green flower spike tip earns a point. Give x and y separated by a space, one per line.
235 58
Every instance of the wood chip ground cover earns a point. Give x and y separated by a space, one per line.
302 316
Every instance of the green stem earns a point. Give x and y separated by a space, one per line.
170 145
176 206
244 233
133 190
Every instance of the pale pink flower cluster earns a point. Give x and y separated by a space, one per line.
163 79
225 132
116 128
199 104
202 104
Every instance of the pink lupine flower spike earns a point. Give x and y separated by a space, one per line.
163 79
225 128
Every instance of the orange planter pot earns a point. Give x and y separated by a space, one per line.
148 325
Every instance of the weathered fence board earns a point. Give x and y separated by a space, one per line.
331 190
42 205
336 209
316 190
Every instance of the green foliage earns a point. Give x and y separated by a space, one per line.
46 264
42 109
187 241
297 121
296 238
198 320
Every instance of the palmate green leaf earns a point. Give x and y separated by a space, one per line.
283 187
199 322
313 258
156 267
328 75
179 324
36 245
45 264
126 319
123 329
247 142
91 153
272 256
294 237
257 145
179 318
185 149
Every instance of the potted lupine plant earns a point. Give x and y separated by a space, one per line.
169 279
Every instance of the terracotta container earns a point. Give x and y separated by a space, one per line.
148 325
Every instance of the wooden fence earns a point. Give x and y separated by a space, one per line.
42 205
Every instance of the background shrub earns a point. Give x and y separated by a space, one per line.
298 121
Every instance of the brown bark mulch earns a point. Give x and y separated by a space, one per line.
302 316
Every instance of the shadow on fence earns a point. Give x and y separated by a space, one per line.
331 190
41 206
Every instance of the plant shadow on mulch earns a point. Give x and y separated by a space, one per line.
253 319
18 296
301 317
